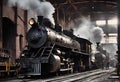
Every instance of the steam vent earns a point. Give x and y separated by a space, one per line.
59 40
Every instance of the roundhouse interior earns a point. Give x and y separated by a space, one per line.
68 13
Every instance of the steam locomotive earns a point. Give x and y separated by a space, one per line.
101 58
50 50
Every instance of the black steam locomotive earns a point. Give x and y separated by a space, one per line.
101 57
51 51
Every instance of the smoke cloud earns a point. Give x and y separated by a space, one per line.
45 8
88 31
97 34
111 48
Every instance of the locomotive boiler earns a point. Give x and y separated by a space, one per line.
49 51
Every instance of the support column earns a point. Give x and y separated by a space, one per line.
118 39
1 23
25 28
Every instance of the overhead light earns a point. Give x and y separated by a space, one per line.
113 22
100 22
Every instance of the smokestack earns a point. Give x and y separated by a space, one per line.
97 44
40 20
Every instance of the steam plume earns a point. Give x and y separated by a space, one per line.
111 48
83 30
45 8
88 31
97 33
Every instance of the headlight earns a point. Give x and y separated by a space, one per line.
32 21
22 54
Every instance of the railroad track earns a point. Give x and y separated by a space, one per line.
81 77
94 78
76 77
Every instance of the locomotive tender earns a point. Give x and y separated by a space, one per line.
49 51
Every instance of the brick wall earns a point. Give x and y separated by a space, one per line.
19 18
